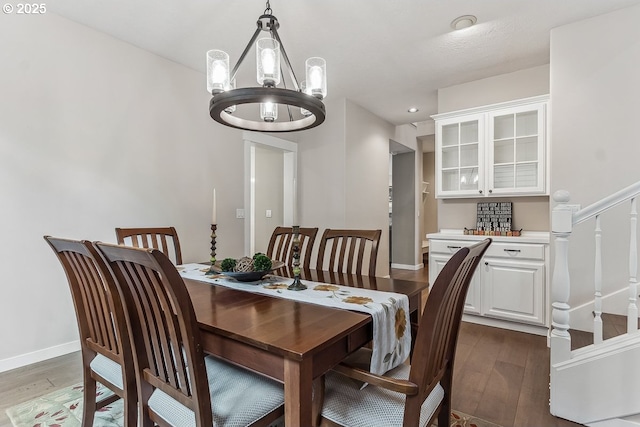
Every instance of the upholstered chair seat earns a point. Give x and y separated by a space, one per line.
238 397
347 404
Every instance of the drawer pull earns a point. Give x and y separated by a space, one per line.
512 250
454 247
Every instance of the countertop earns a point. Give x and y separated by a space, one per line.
525 237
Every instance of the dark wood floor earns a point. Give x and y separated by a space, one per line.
500 375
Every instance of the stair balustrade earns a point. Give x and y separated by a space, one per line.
565 217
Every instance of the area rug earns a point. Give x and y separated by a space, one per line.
63 408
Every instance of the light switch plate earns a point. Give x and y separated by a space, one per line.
239 213
268 213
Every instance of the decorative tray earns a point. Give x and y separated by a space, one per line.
492 232
247 276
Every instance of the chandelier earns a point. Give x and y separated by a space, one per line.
302 103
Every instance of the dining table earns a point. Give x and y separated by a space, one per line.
290 341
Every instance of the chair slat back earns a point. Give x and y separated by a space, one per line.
281 245
162 238
344 251
435 341
101 324
162 322
98 308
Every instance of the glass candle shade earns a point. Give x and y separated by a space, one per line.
231 86
217 71
269 111
316 75
268 62
303 89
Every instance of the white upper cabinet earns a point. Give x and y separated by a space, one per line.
496 150
460 163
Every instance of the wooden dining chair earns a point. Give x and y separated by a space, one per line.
344 251
104 341
163 238
281 245
407 395
177 384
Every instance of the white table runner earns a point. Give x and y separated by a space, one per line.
389 311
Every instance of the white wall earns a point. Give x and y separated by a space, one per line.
595 95
367 176
530 213
95 134
343 168
492 90
321 171
269 186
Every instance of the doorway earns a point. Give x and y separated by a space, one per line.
402 206
270 187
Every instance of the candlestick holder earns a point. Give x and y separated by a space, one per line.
213 248
297 285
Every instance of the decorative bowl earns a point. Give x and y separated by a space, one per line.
248 276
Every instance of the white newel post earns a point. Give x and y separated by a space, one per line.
632 311
561 226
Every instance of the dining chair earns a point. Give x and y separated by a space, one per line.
344 251
163 238
107 356
281 245
409 395
177 384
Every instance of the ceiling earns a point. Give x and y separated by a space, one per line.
385 55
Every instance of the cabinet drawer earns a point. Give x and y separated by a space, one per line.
515 251
448 246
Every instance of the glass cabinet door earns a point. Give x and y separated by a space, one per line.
460 154
516 150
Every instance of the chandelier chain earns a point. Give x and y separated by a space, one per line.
268 10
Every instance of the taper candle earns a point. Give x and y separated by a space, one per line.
214 219
295 202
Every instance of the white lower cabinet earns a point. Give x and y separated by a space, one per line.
473 301
513 290
509 287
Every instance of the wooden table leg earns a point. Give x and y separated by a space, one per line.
298 394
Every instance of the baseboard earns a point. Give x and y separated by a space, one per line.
616 422
506 324
38 356
407 266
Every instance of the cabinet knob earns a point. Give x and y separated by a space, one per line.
480 191
490 191
486 263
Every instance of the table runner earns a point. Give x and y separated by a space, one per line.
389 311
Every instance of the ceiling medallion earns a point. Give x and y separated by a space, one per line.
270 56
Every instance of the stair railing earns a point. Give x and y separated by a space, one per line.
563 218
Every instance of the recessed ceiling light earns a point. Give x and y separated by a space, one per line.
464 21
413 110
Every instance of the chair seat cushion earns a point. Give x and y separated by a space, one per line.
238 397
347 405
107 369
